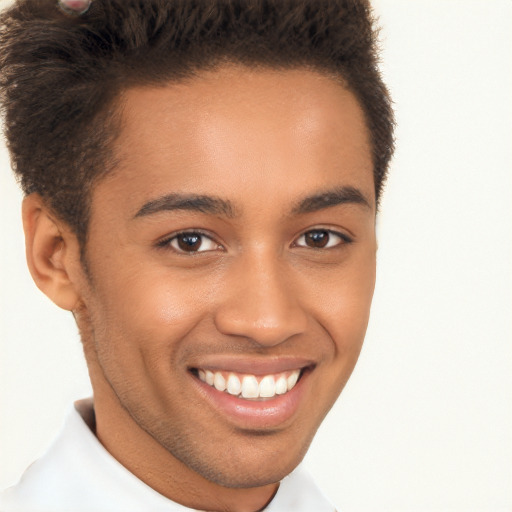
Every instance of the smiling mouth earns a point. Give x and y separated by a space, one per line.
248 386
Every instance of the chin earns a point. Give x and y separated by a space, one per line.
246 478
249 467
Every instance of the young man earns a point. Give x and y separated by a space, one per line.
202 181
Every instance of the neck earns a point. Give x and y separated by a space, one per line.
137 451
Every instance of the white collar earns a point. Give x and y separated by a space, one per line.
77 474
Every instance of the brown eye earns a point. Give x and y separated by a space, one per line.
192 242
321 239
189 242
317 239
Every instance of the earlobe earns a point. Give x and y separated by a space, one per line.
52 251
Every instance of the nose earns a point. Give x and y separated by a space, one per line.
260 302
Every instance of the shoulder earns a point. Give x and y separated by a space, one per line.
49 483
77 474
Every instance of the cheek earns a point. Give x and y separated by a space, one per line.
147 314
344 308
140 325
340 305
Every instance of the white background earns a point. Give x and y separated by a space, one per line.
425 424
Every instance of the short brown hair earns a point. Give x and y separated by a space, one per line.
60 74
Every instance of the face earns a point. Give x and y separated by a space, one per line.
233 247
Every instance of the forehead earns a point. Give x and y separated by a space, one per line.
237 130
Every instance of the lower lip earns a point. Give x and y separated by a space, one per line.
255 414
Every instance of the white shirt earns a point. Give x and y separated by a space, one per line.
77 474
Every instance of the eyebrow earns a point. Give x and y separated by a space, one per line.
194 202
328 198
217 206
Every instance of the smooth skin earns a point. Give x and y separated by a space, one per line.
278 263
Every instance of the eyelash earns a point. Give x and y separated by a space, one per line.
344 239
168 242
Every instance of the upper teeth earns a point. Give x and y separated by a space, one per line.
250 386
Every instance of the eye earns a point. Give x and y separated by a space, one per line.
321 239
190 242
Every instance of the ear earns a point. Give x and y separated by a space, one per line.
52 252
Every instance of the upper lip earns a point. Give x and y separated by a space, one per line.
252 365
